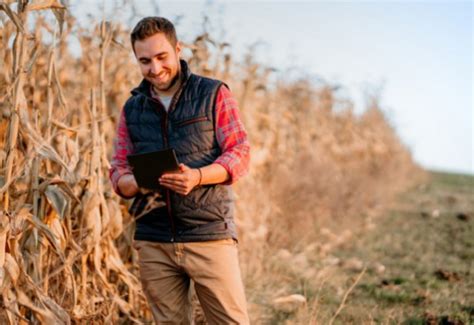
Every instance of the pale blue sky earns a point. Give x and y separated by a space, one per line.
421 52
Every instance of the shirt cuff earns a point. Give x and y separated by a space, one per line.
230 181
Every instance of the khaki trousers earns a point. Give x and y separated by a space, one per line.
167 268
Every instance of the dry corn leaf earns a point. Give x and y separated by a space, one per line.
57 231
12 268
60 313
11 302
45 316
49 235
125 308
44 4
4 229
61 97
97 257
41 146
115 225
60 14
91 214
4 281
57 199
13 16
114 262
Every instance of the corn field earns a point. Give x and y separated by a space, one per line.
65 237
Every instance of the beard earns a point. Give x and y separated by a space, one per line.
171 84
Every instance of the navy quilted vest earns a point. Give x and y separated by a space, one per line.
206 213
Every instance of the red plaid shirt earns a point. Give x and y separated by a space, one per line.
230 133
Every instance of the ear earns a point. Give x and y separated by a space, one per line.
179 47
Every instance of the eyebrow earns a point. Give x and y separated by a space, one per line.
148 58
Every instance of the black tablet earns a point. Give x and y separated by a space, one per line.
148 167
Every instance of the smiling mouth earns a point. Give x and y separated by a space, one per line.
163 81
160 77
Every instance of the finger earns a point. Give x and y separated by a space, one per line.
170 184
185 192
173 185
179 182
172 177
169 181
182 192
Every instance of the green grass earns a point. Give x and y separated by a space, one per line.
428 252
426 243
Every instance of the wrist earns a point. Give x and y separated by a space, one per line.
199 176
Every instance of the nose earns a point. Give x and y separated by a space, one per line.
155 67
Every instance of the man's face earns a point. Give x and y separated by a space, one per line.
158 60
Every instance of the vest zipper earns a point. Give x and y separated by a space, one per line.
164 132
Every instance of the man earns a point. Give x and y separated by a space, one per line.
193 234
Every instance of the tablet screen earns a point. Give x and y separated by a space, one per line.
148 167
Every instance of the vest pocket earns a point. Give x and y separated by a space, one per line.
191 121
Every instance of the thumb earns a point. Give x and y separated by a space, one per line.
183 167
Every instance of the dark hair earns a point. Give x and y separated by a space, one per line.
150 26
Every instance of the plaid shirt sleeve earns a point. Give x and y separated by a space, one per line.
122 147
231 136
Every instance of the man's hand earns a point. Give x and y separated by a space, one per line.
128 185
181 182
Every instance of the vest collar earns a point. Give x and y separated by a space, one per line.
144 87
